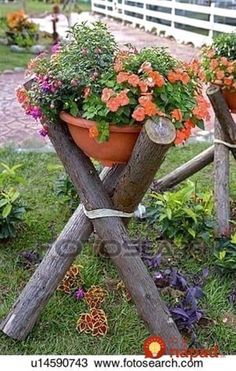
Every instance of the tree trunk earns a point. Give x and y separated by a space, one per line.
221 184
131 268
184 171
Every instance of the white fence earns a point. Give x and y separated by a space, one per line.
195 21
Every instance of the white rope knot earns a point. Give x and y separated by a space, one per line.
229 145
106 213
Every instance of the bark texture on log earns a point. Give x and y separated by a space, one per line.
133 185
223 115
184 171
132 270
221 184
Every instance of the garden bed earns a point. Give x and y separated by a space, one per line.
56 332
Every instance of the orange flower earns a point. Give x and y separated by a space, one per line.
172 76
185 78
113 104
210 53
201 111
107 94
87 91
143 86
133 80
144 99
122 77
224 61
177 115
231 69
214 64
146 67
157 78
189 124
220 75
118 66
123 98
21 95
151 109
139 114
93 132
180 137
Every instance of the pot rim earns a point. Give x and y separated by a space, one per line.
87 124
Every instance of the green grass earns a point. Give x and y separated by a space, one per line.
55 332
9 60
35 7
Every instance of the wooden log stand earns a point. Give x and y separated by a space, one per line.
145 160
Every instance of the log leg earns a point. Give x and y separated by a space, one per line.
221 184
223 115
184 171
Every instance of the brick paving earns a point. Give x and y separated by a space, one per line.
22 131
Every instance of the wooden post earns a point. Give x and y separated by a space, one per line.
184 171
131 268
223 115
221 184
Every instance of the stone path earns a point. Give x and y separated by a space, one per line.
21 131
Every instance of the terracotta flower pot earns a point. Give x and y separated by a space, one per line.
116 150
230 97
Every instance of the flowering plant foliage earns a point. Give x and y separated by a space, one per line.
21 30
219 61
92 78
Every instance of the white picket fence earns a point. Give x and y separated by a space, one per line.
186 20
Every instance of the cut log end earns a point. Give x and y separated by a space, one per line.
213 89
160 130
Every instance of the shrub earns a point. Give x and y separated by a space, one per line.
66 191
21 30
184 215
225 254
11 208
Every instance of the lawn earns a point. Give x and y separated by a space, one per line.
35 7
9 60
55 333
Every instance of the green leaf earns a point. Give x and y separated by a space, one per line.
74 110
192 232
3 202
169 213
191 213
6 211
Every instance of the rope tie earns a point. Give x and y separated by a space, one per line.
106 213
229 145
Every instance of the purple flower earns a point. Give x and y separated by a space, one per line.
79 294
35 112
56 48
43 132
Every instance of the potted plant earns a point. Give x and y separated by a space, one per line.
219 66
105 94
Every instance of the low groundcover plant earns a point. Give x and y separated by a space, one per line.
90 77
